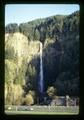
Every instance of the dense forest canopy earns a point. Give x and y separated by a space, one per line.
60 38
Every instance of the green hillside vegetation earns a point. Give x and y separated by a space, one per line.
60 37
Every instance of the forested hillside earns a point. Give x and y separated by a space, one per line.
60 38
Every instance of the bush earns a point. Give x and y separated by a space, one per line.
51 91
29 99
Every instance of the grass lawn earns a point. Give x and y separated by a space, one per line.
43 110
39 113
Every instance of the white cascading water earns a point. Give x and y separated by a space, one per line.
41 69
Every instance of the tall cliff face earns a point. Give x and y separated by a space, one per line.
19 51
61 57
60 37
14 48
20 69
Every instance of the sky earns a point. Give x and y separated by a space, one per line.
21 13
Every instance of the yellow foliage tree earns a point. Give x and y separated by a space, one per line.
29 99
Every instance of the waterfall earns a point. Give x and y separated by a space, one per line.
41 70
